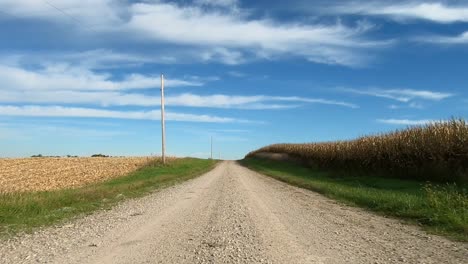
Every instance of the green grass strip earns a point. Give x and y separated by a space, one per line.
26 211
440 209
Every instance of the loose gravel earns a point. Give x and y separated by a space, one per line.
232 215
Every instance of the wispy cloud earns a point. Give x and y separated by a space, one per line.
66 77
313 101
255 102
249 102
448 40
413 105
401 95
229 36
69 84
60 111
97 58
233 34
407 122
404 11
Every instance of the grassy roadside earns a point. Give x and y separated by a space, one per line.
25 211
440 209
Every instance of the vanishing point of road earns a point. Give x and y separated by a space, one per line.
232 215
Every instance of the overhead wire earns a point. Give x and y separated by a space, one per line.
63 12
80 23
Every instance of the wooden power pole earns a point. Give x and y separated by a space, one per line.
163 125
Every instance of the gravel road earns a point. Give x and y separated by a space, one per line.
232 215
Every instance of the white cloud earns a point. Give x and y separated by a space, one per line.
313 101
402 95
459 39
401 11
187 99
219 101
65 84
194 26
248 102
60 111
227 37
223 55
100 58
62 77
253 102
105 59
406 122
413 105
78 97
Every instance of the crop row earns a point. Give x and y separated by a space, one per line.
436 151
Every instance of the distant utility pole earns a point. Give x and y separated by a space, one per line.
163 126
211 147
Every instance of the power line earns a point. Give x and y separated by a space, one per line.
67 14
56 8
60 10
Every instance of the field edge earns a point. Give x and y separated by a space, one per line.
26 212
369 193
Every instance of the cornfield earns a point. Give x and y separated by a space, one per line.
437 151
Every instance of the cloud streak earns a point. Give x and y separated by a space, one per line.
256 102
65 77
314 101
404 11
227 36
60 111
63 84
402 95
448 40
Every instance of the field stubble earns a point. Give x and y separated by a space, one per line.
45 174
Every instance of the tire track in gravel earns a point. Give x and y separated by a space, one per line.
232 215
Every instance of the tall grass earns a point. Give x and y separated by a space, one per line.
437 151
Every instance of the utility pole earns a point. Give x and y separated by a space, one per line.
163 126
211 147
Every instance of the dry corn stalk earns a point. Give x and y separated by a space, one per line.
435 151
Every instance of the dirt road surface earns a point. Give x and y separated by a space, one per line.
232 215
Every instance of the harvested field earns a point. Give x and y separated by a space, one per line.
40 174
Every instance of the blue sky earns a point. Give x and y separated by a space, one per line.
82 77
